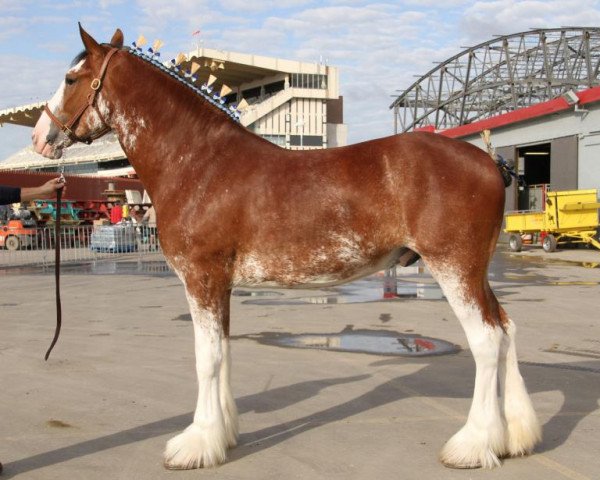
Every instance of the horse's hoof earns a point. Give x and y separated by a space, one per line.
461 466
196 447
173 466
523 432
473 448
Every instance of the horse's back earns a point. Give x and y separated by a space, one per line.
423 171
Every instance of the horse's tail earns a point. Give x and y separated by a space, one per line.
504 168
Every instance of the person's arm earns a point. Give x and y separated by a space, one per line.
47 190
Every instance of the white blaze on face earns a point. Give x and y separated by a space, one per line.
42 127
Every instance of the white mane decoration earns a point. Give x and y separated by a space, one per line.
188 77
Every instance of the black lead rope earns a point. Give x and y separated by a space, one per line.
56 272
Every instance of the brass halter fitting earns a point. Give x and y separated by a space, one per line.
96 84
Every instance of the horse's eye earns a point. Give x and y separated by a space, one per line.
69 81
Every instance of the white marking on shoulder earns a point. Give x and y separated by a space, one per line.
129 128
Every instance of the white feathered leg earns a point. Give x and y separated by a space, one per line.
481 440
204 443
230 414
523 427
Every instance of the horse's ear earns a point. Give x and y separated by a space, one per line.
117 39
91 45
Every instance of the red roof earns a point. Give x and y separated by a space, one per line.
528 113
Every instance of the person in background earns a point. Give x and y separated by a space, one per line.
149 222
116 212
10 195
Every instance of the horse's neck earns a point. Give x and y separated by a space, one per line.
164 128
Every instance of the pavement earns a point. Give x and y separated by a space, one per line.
121 380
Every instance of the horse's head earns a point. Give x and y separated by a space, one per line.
72 114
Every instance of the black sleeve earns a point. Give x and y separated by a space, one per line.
9 195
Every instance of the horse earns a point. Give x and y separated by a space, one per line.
236 210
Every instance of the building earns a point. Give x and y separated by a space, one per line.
293 104
539 94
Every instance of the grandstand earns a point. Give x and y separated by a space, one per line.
293 104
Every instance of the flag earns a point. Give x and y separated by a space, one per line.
197 32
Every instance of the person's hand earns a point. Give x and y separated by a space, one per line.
49 188
45 191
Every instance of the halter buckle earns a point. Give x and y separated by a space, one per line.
96 83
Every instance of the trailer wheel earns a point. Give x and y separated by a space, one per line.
549 244
12 243
515 243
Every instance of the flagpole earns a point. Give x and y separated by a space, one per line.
197 34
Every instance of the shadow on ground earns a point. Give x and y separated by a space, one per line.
580 389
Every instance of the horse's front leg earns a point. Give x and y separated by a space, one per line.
204 443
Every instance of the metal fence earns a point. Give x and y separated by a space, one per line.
35 246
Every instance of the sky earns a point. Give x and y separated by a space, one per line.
380 48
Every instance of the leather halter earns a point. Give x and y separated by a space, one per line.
67 128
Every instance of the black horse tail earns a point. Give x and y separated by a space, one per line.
505 170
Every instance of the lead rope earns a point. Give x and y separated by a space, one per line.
57 265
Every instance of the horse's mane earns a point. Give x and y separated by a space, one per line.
205 91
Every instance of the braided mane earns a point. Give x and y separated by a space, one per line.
205 91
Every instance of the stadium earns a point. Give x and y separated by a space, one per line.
293 104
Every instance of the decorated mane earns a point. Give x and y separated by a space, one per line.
188 77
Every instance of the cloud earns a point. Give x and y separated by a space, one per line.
436 3
483 19
10 6
23 81
104 4
14 138
380 47
12 27
246 7
373 45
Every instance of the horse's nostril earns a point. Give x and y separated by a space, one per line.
51 137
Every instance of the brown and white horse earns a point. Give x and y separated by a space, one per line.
234 209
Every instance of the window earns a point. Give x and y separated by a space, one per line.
306 140
309 80
276 139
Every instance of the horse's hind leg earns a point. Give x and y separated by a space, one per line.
204 443
523 428
482 439
230 414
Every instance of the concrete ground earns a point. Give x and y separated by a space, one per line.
121 380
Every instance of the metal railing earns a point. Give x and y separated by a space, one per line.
35 246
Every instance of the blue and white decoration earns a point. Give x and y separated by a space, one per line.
188 77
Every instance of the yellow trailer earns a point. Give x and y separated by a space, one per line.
568 217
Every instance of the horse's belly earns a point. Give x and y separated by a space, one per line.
282 272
